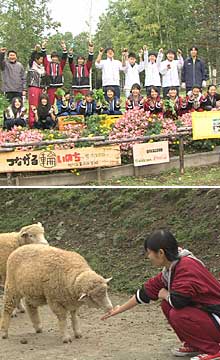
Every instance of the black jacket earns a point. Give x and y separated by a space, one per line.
211 102
194 74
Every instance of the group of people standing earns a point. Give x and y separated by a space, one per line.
45 77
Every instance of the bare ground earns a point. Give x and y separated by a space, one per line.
140 334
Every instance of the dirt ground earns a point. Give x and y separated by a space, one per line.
141 334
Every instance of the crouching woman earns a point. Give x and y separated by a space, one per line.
15 115
44 115
190 297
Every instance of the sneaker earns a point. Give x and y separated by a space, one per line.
207 357
185 350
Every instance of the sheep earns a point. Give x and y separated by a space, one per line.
48 275
10 241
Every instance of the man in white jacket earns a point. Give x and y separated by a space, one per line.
169 70
152 62
110 70
132 70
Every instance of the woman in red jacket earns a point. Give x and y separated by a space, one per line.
190 297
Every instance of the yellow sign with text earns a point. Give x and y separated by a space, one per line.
53 160
206 125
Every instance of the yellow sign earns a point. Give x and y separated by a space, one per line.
151 153
52 160
206 125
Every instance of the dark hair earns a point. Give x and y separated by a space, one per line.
43 110
211 86
54 54
152 53
89 93
109 48
170 51
196 87
136 86
165 240
35 56
132 54
12 51
173 88
154 88
14 109
194 47
81 57
110 88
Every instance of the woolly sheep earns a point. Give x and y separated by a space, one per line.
11 241
48 275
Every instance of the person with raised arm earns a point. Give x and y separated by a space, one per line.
110 70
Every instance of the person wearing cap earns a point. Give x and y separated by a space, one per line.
13 75
110 70
54 70
194 71
189 296
169 70
81 71
152 62
132 70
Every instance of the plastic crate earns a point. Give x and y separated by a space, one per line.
69 120
110 120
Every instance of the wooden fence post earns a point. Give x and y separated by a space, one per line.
9 179
181 154
99 176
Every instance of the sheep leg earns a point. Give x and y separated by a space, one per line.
21 307
61 314
10 302
75 324
34 317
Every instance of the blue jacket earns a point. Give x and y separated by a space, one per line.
88 109
194 74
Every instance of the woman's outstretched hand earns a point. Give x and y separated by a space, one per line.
111 313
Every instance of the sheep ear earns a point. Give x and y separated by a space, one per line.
82 297
108 280
24 234
39 223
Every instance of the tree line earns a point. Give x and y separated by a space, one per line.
126 23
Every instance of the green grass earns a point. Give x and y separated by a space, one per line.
199 176
108 226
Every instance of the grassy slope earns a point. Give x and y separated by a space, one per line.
108 226
198 176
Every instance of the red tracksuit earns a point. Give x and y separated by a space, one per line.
81 73
55 74
155 107
194 298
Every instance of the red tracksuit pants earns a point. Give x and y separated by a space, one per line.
195 327
33 98
51 94
82 91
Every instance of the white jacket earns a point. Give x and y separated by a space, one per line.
110 71
170 77
152 70
132 74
